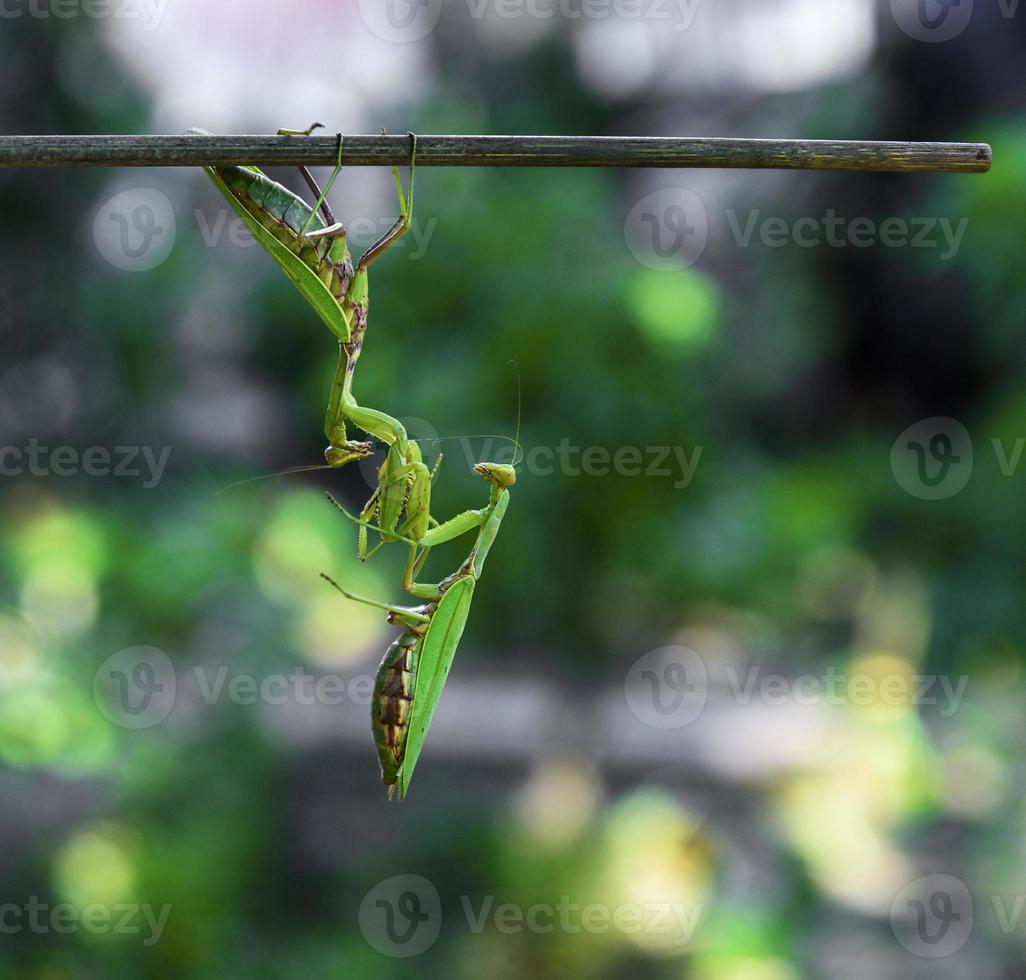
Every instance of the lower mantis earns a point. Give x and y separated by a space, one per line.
411 677
315 256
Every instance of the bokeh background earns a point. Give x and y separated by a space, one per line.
741 695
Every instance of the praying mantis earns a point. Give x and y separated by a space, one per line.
416 666
316 258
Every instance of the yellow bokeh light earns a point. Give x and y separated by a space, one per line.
56 534
975 781
658 861
20 651
95 867
746 968
60 597
557 803
33 727
51 723
881 686
334 631
293 549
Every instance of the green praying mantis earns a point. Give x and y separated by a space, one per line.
411 677
316 258
314 254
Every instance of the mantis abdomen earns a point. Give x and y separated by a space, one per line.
293 223
393 702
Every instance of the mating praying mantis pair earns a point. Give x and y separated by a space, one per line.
314 254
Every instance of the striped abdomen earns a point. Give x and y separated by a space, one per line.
285 215
393 703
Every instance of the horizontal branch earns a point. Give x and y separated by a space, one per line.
493 151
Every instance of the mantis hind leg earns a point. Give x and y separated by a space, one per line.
334 226
406 615
401 225
369 511
367 524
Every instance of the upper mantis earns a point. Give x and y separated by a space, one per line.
316 258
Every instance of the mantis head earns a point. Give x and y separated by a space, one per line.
340 455
499 474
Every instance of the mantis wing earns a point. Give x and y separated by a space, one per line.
302 276
440 643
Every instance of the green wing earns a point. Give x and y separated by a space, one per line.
440 643
302 276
